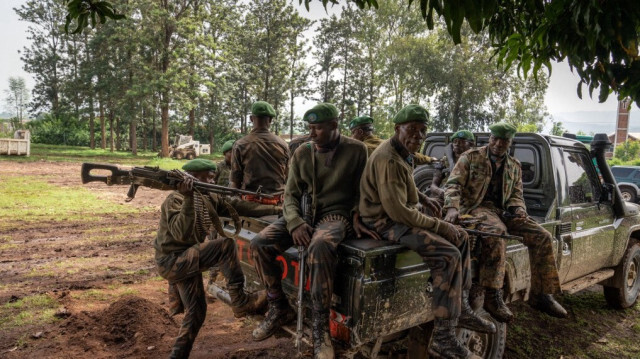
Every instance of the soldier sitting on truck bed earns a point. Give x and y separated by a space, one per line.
329 169
183 251
260 159
362 130
389 204
224 166
487 181
461 142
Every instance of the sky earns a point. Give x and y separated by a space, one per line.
561 99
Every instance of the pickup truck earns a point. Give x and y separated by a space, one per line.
382 303
628 178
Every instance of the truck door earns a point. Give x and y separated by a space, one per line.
591 240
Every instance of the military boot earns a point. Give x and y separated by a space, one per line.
444 343
547 304
322 347
470 320
181 350
243 303
494 304
279 314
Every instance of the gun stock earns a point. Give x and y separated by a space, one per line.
117 176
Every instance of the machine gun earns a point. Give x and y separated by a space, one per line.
307 215
154 177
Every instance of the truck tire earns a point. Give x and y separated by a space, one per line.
487 346
628 194
422 176
190 156
626 279
179 155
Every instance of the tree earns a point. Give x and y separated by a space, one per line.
557 129
629 150
17 97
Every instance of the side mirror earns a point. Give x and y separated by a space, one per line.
608 193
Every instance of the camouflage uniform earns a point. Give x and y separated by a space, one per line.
296 142
388 204
473 189
260 159
182 254
222 174
337 187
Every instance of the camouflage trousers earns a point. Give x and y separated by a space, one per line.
322 256
448 260
184 270
544 274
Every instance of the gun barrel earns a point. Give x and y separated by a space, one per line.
301 280
489 234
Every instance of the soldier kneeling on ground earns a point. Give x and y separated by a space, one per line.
185 248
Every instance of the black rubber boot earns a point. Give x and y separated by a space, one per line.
470 320
180 350
494 304
444 343
279 314
243 303
547 304
322 347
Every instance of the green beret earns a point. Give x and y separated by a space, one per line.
228 146
261 108
199 165
359 121
502 130
411 113
464 134
322 112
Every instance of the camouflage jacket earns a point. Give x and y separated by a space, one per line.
176 231
222 174
470 179
260 159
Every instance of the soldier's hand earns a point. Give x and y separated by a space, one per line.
451 232
436 191
302 235
361 229
431 207
520 212
186 187
452 215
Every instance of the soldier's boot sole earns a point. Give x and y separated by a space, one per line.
473 322
264 331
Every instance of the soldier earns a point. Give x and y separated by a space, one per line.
362 130
329 169
461 142
260 159
389 204
224 166
296 142
487 181
183 252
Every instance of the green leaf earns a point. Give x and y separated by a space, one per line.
579 90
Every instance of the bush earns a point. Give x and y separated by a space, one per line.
628 151
59 131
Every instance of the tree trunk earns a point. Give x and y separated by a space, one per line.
118 135
154 130
111 139
455 115
144 128
192 121
133 136
103 130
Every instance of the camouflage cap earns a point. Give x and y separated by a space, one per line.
464 134
199 165
359 121
411 113
261 108
228 146
322 112
502 130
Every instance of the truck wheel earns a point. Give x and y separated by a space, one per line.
190 156
628 194
627 280
179 156
488 346
423 175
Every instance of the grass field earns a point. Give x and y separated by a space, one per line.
59 153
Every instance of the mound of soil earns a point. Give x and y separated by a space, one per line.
131 326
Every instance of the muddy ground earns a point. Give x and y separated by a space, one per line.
99 295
